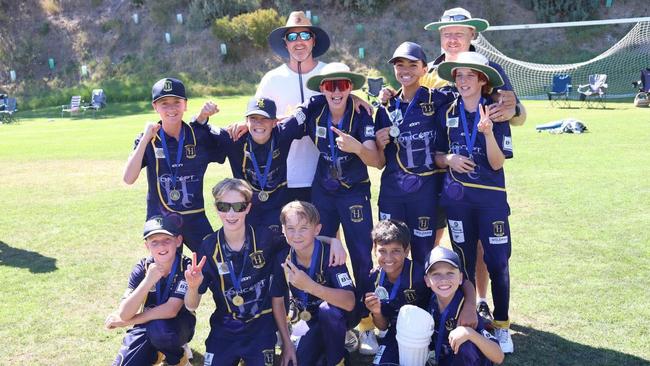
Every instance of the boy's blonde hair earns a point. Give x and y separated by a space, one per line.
232 184
303 210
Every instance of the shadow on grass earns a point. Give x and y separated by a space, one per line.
20 258
535 347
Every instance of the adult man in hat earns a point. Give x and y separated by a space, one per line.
300 43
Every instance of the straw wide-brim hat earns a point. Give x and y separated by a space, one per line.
458 17
333 71
298 19
474 61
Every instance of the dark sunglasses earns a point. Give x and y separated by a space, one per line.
226 206
340 84
453 18
293 36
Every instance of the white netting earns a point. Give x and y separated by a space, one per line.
622 63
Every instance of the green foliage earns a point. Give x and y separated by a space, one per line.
359 6
164 11
563 10
203 12
246 29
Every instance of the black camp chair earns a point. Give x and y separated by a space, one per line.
97 101
642 98
594 93
373 89
8 109
558 91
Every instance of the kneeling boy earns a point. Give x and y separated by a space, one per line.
321 296
455 345
157 281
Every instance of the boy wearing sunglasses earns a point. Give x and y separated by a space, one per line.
321 296
163 324
175 155
397 282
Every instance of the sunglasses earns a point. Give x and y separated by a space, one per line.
453 18
293 36
340 84
226 206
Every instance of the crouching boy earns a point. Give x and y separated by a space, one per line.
163 324
455 345
321 296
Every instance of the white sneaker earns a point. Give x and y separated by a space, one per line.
351 341
505 340
188 351
368 343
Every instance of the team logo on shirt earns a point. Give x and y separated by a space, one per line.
507 143
159 152
321 132
452 122
268 356
356 213
182 287
257 259
190 151
222 267
450 324
344 279
457 232
409 295
370 131
423 227
427 109
499 228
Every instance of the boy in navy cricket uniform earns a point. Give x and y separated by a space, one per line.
153 301
260 158
455 344
176 155
346 141
395 283
322 296
474 192
406 135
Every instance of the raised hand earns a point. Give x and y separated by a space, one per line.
154 274
485 123
505 108
385 94
194 273
209 108
150 130
297 277
346 142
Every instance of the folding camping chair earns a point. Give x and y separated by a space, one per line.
642 98
74 107
97 101
373 89
594 93
558 91
8 110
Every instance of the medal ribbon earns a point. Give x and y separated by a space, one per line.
162 296
262 178
470 140
393 291
179 154
236 280
312 269
330 135
408 108
453 304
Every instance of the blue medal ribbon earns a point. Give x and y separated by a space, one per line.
163 295
312 269
262 178
236 280
393 291
408 108
179 154
330 135
453 304
470 139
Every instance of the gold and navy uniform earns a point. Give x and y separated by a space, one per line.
197 153
410 181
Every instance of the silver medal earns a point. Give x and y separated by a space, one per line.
382 293
393 131
263 196
175 195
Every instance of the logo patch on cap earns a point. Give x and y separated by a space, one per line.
167 86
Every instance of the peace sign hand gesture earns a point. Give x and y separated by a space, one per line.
485 124
347 143
193 273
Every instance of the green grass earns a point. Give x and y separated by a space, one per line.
580 268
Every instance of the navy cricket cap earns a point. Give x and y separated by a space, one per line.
160 225
262 106
410 51
168 87
440 254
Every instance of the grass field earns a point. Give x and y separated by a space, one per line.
580 269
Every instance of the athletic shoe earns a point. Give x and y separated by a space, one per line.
505 340
484 311
188 351
368 343
351 341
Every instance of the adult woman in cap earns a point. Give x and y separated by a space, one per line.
474 193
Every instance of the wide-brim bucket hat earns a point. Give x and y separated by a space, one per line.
334 71
474 61
298 19
458 17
